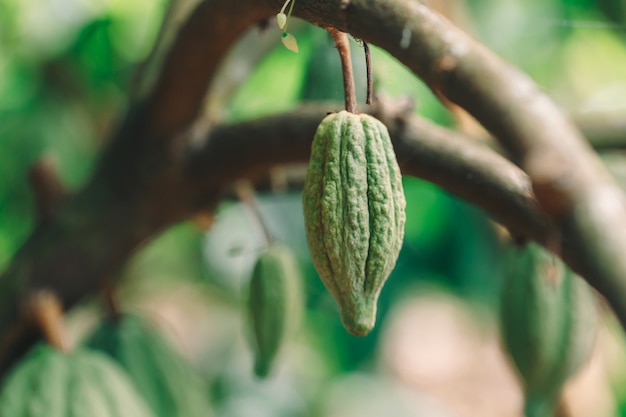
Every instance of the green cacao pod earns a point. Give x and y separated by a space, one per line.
274 303
51 383
548 324
354 213
166 380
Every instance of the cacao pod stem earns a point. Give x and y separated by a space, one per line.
343 46
368 68
245 193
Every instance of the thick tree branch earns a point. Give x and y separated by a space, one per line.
456 163
194 59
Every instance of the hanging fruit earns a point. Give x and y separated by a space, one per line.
52 383
274 303
354 213
548 323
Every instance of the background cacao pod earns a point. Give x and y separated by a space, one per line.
274 303
354 213
51 383
168 383
548 322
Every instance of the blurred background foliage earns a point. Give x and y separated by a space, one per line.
65 69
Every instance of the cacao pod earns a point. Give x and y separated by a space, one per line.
169 384
274 303
51 383
548 324
354 213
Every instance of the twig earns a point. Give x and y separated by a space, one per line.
44 308
343 47
245 193
368 69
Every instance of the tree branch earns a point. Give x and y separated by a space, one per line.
455 162
342 43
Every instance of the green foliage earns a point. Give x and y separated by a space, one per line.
431 212
594 63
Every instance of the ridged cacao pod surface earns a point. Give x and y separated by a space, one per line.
354 211
274 303
161 375
548 322
51 383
